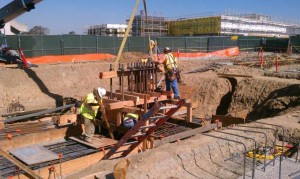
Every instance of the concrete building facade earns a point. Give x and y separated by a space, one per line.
14 28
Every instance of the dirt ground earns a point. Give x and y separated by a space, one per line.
273 99
47 85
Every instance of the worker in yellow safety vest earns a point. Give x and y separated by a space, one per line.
171 70
130 120
88 111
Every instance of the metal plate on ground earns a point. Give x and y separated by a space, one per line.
33 154
97 142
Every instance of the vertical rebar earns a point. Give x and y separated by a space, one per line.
131 78
275 138
266 140
255 147
111 92
281 156
155 73
152 76
245 149
122 88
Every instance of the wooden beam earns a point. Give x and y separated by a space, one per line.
19 164
135 110
108 74
34 138
228 120
1 125
154 94
189 115
118 105
126 96
141 95
67 119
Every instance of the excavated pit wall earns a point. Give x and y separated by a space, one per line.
266 97
45 86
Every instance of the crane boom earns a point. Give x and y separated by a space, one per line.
15 9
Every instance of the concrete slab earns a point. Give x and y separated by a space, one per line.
33 154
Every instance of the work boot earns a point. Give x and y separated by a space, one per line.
176 98
88 140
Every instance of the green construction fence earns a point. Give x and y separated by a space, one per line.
35 45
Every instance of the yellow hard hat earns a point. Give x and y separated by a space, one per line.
90 98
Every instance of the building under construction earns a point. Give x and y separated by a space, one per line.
107 30
153 25
246 24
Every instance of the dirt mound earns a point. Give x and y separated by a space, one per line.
265 97
128 57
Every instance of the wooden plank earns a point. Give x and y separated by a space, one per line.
40 137
126 96
11 66
108 74
228 120
106 100
118 105
67 119
19 164
233 75
141 95
135 110
167 93
1 125
97 142
154 94
189 115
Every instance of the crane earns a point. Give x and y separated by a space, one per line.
18 7
7 13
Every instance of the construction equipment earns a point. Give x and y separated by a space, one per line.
133 133
7 13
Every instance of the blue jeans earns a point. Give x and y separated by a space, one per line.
172 84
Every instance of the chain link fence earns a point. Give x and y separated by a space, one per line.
82 44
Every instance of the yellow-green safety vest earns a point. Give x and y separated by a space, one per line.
87 112
171 63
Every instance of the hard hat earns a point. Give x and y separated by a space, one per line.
167 49
101 92
151 41
90 98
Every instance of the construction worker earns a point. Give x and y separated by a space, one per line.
153 50
171 70
88 111
130 120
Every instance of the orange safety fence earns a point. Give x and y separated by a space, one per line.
220 53
70 58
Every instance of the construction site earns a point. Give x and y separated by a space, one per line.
238 115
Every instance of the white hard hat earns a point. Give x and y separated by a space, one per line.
101 92
151 41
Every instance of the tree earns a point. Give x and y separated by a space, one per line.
72 33
38 30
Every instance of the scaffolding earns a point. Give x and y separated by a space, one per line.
155 26
234 24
